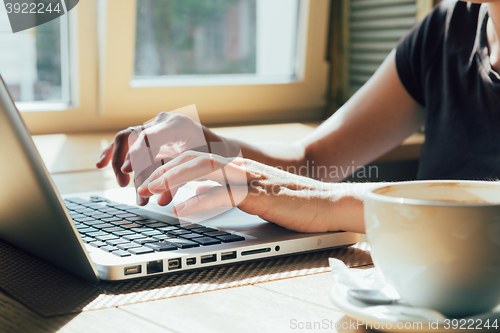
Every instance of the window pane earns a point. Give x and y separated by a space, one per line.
31 61
207 38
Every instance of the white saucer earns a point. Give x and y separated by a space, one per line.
400 318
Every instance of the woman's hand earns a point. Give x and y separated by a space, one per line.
143 148
292 201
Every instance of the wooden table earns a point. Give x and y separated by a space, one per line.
275 306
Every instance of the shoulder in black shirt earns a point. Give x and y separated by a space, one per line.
444 65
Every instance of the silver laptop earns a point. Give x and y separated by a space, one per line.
103 235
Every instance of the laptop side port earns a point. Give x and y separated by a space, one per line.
228 255
208 258
132 270
154 267
190 261
174 264
257 251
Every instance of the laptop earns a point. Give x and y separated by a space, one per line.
104 236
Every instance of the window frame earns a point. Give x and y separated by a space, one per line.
102 98
216 104
81 113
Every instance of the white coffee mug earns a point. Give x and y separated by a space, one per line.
438 243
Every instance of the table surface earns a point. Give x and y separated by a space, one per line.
272 306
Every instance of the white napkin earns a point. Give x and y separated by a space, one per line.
345 279
370 278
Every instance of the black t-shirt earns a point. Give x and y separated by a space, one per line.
444 65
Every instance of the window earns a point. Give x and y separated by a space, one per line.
237 60
110 64
34 64
195 42
62 68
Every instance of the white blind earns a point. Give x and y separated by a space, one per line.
375 27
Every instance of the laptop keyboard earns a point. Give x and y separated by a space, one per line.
123 231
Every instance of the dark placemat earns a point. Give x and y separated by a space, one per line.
51 291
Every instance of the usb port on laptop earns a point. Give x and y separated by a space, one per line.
208 258
228 255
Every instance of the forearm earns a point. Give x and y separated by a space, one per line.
345 209
286 156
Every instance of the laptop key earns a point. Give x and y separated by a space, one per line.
161 246
87 229
121 253
158 225
143 241
101 225
151 233
141 250
83 219
207 241
116 241
83 210
131 225
98 233
79 200
150 221
109 210
112 229
203 230
182 243
111 219
123 233
100 215
106 237
190 226
132 237
125 215
135 218
95 205
98 244
190 236
92 223
120 223
142 230
165 229
126 246
162 237
109 248
216 233
87 239
230 238
177 232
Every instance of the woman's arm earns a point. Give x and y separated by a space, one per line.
294 202
376 119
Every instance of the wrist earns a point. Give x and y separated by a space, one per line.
344 209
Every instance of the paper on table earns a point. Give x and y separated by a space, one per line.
345 279
371 278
